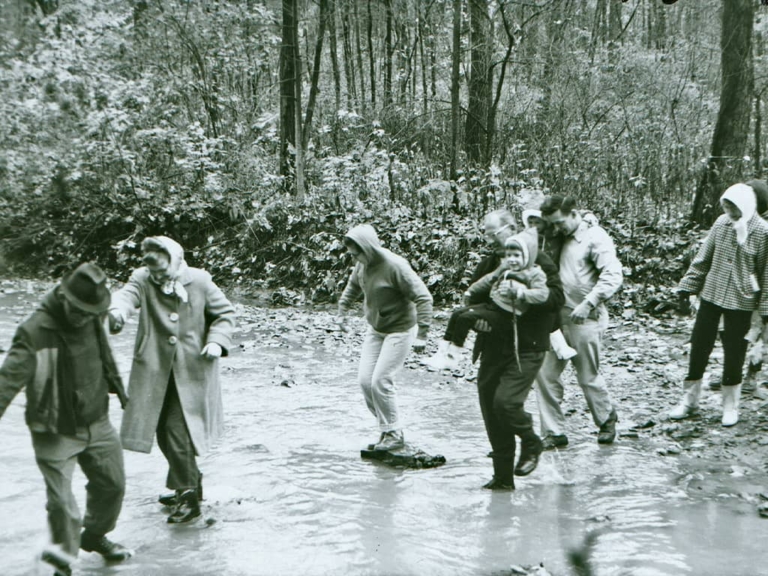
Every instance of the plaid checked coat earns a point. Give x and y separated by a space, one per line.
728 275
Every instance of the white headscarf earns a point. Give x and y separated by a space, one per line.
743 197
176 266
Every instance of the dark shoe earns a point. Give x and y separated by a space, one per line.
529 455
57 561
392 440
497 484
607 432
550 441
172 499
110 551
187 509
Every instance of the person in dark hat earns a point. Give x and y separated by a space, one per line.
60 354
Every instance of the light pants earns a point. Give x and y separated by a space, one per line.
587 339
98 450
382 357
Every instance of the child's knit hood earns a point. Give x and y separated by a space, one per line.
528 242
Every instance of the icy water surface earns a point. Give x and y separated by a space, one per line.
286 492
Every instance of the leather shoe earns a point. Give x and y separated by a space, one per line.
110 551
498 484
172 499
529 456
552 441
607 432
187 509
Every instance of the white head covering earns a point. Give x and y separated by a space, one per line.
176 266
527 214
743 197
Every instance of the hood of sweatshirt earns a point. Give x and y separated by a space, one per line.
366 238
528 242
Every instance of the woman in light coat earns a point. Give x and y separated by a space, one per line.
185 325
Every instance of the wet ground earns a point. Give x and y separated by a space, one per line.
286 491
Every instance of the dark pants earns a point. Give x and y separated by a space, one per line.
503 387
463 319
736 324
176 444
97 449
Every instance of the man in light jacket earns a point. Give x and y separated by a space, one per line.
185 325
591 273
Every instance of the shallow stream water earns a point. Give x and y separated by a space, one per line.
287 493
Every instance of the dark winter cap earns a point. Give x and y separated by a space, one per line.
761 194
86 288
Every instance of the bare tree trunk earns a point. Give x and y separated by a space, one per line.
480 77
359 54
725 165
758 135
390 49
614 20
313 87
371 59
455 76
297 91
349 62
334 54
288 75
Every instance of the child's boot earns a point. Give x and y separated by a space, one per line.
560 346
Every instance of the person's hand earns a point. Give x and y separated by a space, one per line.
419 345
342 322
581 312
116 321
211 351
482 325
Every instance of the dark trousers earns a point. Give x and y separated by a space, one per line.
736 324
176 444
503 387
463 319
97 449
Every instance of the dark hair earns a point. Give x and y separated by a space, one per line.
552 204
351 244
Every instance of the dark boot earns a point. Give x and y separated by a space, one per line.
530 449
172 499
187 509
607 432
57 560
110 551
503 474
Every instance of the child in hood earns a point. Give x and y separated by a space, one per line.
516 284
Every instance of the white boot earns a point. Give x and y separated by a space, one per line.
731 396
689 405
560 346
446 357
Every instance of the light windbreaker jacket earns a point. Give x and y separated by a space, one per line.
395 296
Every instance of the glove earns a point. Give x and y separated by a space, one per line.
211 351
116 321
419 345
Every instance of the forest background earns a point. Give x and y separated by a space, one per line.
257 133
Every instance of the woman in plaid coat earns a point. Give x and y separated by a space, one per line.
730 276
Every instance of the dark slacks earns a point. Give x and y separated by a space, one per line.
503 387
736 324
462 320
176 444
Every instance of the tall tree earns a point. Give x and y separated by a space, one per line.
480 79
455 94
729 141
290 92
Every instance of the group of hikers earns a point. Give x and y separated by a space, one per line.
537 301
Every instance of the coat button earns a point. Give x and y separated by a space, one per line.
172 340
174 317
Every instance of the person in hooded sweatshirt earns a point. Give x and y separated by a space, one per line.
185 326
398 309
517 283
730 276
